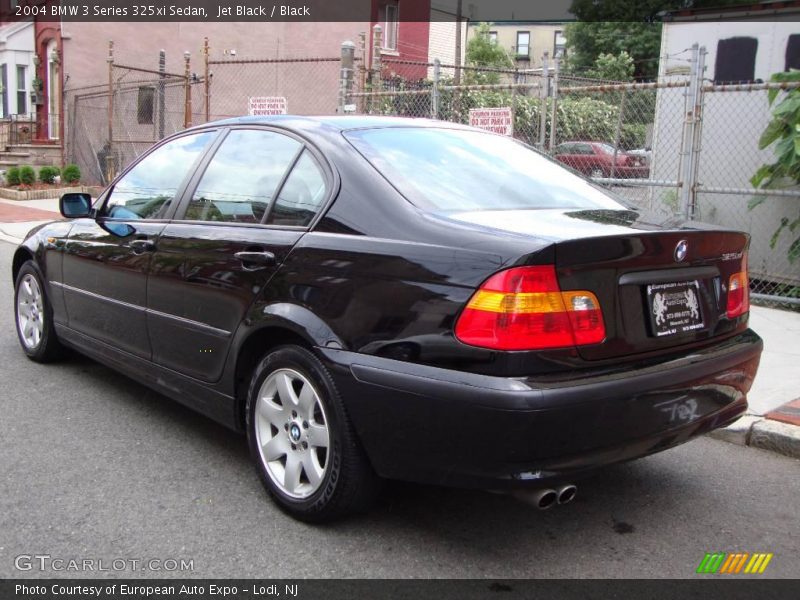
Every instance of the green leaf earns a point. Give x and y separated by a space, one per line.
764 172
773 131
755 201
794 224
774 239
794 251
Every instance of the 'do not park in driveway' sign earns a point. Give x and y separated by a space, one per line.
496 120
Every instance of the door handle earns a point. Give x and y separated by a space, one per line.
256 258
141 246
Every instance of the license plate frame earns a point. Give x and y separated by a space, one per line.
675 308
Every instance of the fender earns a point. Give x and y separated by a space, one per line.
292 317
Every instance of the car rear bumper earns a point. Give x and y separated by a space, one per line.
446 427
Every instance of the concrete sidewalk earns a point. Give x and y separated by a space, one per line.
776 385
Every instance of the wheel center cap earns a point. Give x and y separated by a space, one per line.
294 432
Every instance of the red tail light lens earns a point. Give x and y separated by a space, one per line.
739 292
524 309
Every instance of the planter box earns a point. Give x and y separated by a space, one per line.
56 192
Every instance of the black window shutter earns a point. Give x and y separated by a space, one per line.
736 60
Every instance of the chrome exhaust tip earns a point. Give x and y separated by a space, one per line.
541 499
566 493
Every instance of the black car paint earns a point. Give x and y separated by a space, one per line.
375 286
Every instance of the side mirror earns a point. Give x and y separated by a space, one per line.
75 206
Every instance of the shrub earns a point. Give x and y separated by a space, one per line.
71 174
12 176
48 174
27 175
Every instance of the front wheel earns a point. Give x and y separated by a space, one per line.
596 173
34 316
301 440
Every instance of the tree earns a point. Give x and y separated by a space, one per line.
611 26
482 51
784 132
613 67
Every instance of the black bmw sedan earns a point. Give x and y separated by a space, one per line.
371 297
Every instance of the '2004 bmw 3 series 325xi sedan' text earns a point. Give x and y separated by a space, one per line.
375 297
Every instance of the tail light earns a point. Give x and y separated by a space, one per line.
739 292
524 309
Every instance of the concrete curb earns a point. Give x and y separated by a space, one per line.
758 432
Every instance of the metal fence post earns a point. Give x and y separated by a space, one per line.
437 73
689 154
162 95
346 75
187 89
618 132
207 78
543 92
377 40
375 63
553 106
110 168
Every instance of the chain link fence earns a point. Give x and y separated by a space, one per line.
682 146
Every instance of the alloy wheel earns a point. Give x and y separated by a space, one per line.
30 312
292 433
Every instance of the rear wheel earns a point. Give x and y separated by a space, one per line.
596 172
301 440
34 316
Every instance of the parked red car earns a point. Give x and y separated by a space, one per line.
596 159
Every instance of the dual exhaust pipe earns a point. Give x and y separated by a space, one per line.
546 498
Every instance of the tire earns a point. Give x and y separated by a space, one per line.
596 172
33 316
301 440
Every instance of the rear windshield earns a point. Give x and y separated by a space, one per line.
451 170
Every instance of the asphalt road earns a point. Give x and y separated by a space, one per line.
93 465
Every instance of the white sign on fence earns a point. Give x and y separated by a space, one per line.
266 105
496 120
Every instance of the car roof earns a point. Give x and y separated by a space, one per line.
338 122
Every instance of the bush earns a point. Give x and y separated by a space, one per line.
12 176
27 175
71 174
48 174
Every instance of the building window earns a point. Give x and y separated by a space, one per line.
523 44
793 52
22 92
559 44
389 19
145 105
493 37
736 60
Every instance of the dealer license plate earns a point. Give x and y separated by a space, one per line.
674 307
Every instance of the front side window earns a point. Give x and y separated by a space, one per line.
150 187
243 176
451 170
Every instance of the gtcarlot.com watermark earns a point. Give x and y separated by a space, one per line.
48 563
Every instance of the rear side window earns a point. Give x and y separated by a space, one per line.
301 196
241 179
452 170
148 189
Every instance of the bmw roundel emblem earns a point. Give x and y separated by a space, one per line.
680 250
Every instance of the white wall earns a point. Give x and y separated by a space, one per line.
16 48
732 123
